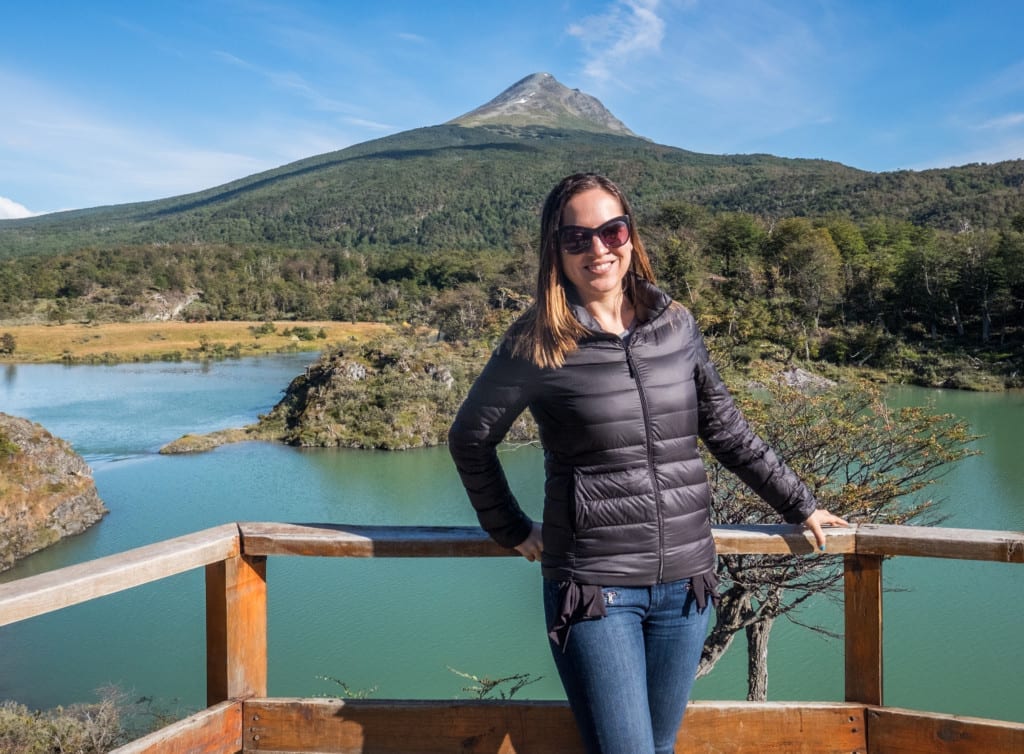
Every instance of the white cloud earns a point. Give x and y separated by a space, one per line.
411 37
629 29
11 210
1011 120
290 82
1000 151
58 152
370 124
717 77
84 158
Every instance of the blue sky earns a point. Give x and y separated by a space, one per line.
107 102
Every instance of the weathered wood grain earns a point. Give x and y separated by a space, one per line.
862 584
236 629
214 730
341 540
325 726
898 731
940 542
781 539
63 587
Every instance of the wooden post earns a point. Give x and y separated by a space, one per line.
862 578
236 629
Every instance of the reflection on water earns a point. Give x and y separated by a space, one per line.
399 625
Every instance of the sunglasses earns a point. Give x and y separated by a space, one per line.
575 239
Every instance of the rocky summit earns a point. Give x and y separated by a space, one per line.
541 100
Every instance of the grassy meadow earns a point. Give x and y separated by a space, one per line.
115 342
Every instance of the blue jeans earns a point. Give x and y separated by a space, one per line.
628 675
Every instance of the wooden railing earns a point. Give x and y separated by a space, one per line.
240 717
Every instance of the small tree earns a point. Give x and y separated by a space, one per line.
460 314
7 343
864 461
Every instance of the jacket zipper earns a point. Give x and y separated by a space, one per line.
645 411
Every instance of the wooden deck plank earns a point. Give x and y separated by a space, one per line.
340 540
330 726
781 539
773 728
940 542
215 730
898 731
322 726
62 587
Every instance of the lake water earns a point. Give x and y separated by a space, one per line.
953 637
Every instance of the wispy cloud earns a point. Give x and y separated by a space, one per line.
1010 146
291 82
1010 120
11 210
986 118
629 28
730 74
410 37
87 158
369 124
1008 81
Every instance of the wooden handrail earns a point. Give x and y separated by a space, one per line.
234 557
939 542
63 587
43 593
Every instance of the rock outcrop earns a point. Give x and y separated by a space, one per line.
395 392
46 490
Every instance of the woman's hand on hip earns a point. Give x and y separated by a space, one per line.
531 547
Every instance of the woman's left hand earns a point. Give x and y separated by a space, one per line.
532 547
819 519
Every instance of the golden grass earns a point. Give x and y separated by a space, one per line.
138 341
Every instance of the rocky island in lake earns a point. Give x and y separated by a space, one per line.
46 490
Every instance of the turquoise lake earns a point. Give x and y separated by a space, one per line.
954 631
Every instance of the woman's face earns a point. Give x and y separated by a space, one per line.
598 271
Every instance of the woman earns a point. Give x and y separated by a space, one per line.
621 386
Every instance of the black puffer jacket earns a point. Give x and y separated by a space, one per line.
626 496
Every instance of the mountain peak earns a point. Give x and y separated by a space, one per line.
541 100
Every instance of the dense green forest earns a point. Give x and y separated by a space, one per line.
881 293
917 273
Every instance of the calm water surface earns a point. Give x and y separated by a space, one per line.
952 635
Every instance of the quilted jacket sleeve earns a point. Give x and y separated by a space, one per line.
733 442
496 399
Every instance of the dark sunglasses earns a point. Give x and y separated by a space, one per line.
575 239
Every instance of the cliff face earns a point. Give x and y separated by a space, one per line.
46 490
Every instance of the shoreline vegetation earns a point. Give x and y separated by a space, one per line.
375 385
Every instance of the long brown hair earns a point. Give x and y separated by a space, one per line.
548 331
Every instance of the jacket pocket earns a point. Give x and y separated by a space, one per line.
611 497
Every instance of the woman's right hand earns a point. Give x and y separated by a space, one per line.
531 547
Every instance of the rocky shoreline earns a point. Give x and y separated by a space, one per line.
47 491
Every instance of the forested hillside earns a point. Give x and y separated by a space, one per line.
917 273
455 188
